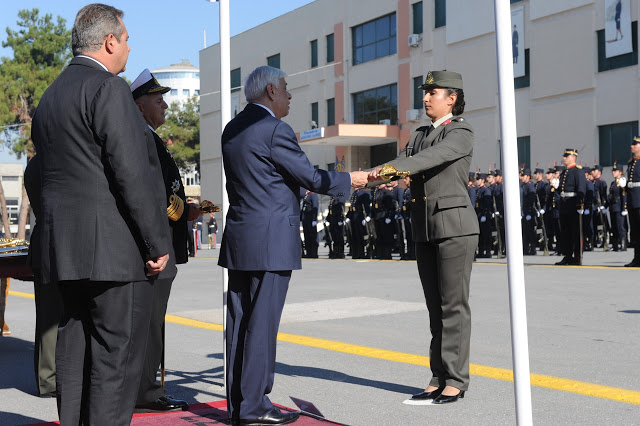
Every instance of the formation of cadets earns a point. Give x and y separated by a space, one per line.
565 210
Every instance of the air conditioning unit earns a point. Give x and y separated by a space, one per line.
385 121
414 40
413 115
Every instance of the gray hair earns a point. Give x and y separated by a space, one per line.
93 25
258 80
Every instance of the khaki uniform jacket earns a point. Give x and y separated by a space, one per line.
439 163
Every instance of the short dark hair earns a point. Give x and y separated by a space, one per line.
458 107
93 24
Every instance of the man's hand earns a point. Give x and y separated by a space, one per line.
359 179
154 268
374 175
194 211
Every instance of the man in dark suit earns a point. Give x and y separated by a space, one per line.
47 297
147 94
265 169
104 230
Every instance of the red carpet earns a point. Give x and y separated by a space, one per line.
209 413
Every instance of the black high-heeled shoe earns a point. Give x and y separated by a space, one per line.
427 395
446 399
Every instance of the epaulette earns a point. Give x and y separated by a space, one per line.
578 166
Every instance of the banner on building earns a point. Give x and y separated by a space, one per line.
617 27
517 40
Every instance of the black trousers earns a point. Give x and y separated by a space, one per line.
445 273
254 306
48 313
634 225
570 234
150 389
100 351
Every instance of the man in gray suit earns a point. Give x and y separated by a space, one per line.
445 230
104 231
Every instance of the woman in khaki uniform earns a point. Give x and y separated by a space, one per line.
445 230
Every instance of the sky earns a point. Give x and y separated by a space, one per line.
161 32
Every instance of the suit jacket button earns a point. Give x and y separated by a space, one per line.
425 198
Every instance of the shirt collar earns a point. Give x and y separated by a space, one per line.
441 120
94 60
270 112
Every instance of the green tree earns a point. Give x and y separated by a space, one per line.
181 132
41 49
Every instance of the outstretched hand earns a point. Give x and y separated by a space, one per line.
359 179
374 175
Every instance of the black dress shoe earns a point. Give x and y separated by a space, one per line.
565 261
273 417
446 399
428 395
575 262
165 403
635 263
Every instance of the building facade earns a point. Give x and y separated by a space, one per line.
354 66
11 177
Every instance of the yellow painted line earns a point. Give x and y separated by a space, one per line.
557 266
539 380
21 294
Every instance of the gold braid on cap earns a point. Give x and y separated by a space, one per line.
388 172
176 207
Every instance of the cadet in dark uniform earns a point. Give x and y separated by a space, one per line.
553 203
406 217
336 226
358 212
377 215
616 203
385 225
549 210
600 222
528 202
398 194
147 94
498 195
309 219
633 201
572 188
445 230
484 203
587 215
540 187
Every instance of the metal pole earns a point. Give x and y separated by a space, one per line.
225 115
515 261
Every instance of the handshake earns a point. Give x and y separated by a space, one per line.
387 172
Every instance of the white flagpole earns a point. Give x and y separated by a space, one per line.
225 115
515 261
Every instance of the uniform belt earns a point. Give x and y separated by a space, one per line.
567 194
633 184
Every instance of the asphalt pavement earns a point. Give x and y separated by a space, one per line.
354 341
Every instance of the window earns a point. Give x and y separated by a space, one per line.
331 112
374 39
196 92
330 57
417 17
627 60
314 112
440 13
235 80
515 1
523 81
331 167
13 208
314 53
185 92
524 151
174 92
418 93
163 75
374 105
274 61
614 142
